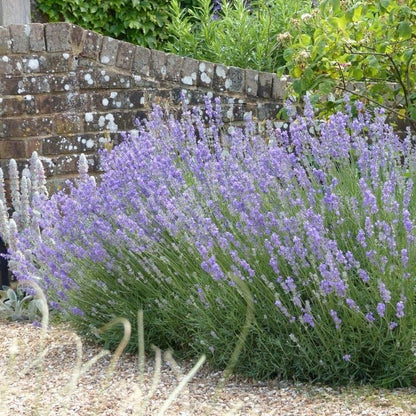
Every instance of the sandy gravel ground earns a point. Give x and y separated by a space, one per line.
30 385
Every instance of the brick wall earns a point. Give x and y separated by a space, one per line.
65 90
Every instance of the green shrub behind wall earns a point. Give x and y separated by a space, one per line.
137 21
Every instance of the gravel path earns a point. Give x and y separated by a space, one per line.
28 387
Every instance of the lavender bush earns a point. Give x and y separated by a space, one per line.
297 245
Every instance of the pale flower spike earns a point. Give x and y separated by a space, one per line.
25 191
14 185
2 193
12 235
25 186
40 178
4 222
83 168
32 168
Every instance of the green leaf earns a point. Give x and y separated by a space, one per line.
335 4
339 22
326 87
412 112
356 73
358 11
385 3
304 39
11 294
288 54
297 72
297 86
405 30
408 54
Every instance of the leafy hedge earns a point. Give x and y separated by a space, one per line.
138 21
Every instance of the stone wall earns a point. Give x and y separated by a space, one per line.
65 90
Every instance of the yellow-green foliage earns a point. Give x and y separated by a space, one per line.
372 42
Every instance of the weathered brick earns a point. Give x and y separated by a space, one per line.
136 98
58 37
37 38
12 149
63 83
235 79
56 145
56 62
80 101
158 64
33 145
108 55
252 81
220 78
25 127
141 62
205 74
35 85
192 97
87 79
5 42
173 67
189 71
279 88
239 111
60 103
16 85
65 164
111 121
11 85
159 96
112 100
124 120
19 35
71 143
265 87
85 63
147 84
125 55
30 104
105 79
67 123
177 94
91 45
31 64
10 106
77 34
10 65
267 111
